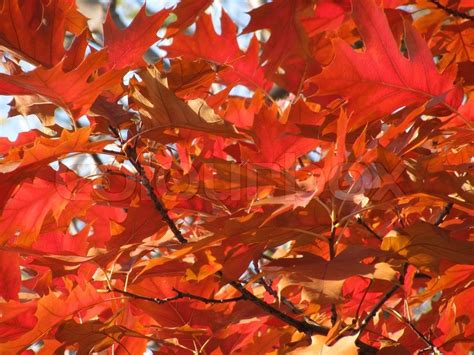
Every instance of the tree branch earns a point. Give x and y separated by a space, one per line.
145 298
132 155
452 12
208 300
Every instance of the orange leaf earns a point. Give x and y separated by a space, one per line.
50 311
278 147
71 90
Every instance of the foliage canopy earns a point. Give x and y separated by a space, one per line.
156 208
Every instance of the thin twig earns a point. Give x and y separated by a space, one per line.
450 11
267 285
444 213
332 254
178 296
208 300
376 308
300 162
367 227
301 326
145 298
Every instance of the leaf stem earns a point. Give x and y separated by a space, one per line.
356 318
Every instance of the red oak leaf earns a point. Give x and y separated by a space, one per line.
223 50
126 47
277 147
35 29
286 55
381 80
